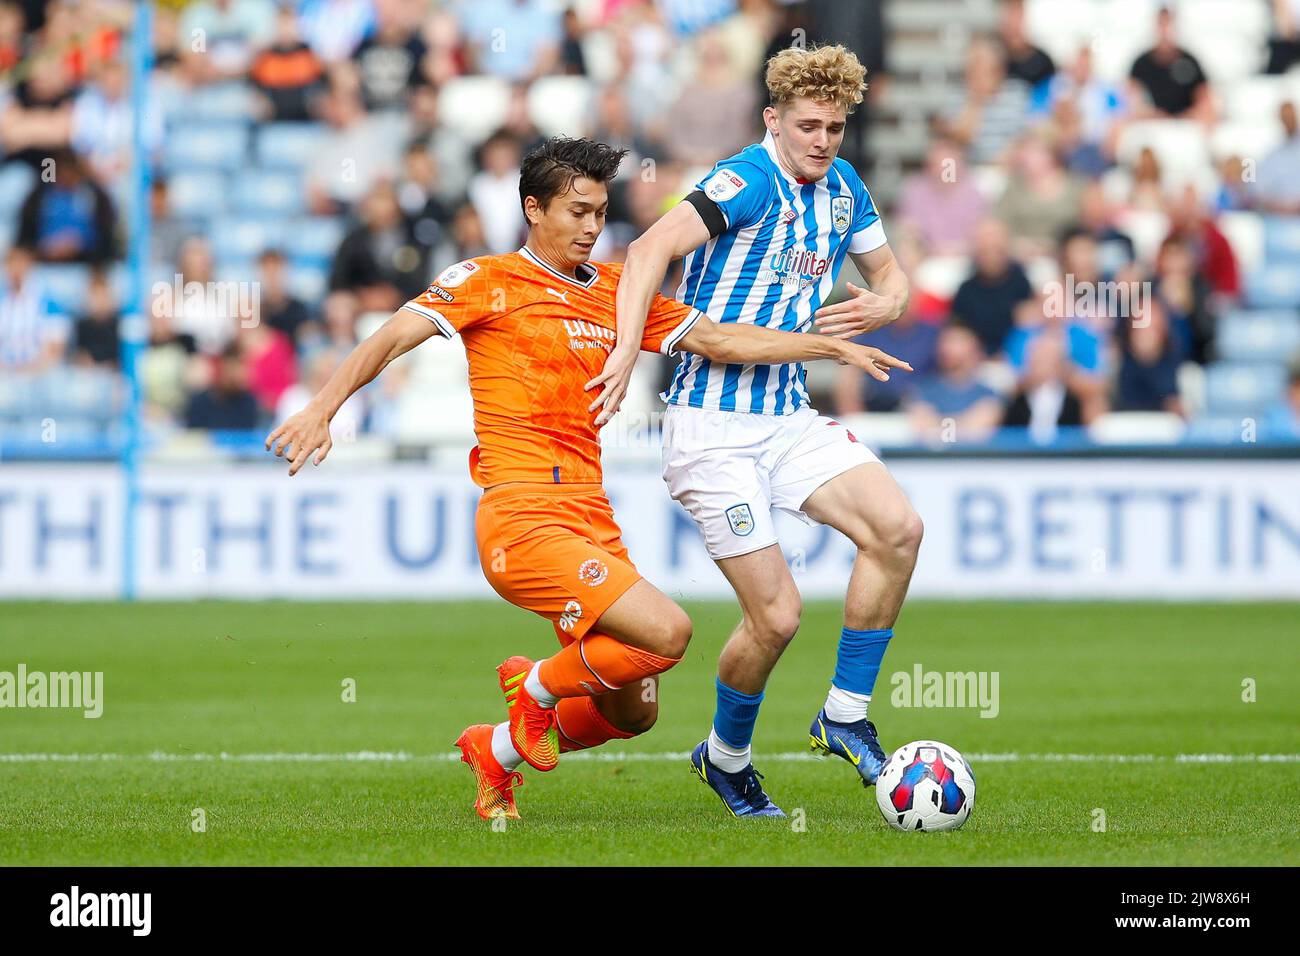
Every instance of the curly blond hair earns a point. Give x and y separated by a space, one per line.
827 74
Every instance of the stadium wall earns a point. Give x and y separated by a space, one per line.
1016 528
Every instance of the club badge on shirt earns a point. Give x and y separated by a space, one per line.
842 213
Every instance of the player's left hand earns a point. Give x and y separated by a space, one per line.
866 311
614 376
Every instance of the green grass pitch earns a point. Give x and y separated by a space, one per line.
197 679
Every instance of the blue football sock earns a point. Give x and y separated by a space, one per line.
734 719
858 663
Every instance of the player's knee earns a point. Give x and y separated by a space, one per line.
778 623
898 536
673 633
909 533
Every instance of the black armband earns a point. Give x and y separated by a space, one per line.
709 212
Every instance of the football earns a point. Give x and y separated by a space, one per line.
926 785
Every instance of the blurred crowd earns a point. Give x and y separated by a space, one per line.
314 162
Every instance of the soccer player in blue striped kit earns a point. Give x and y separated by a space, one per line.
765 235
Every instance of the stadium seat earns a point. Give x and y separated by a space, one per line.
1242 388
65 284
206 145
16 181
1180 147
1147 228
278 193
1282 239
288 145
1228 37
474 105
1254 100
1274 287
1246 140
314 238
1245 233
309 283
220 101
1258 336
561 105
197 194
941 275
245 237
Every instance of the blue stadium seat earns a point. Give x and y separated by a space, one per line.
241 237
206 145
65 284
16 181
1242 388
315 238
309 283
221 101
199 194
1276 286
288 145
1258 336
268 193
1282 239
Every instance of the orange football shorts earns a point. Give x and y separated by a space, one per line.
555 550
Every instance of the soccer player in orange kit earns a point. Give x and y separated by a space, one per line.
537 325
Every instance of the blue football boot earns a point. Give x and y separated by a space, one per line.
741 792
856 742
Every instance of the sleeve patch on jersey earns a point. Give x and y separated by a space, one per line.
440 293
723 185
453 276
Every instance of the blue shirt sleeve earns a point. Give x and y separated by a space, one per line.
867 232
741 189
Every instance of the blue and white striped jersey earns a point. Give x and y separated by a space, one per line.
773 266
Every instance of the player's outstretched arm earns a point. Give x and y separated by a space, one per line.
678 232
742 344
309 430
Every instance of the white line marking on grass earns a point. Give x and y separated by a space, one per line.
402 756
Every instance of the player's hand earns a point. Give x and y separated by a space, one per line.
872 361
614 376
866 311
300 436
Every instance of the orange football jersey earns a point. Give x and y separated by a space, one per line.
534 337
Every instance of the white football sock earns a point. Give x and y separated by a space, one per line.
726 757
535 688
846 707
503 748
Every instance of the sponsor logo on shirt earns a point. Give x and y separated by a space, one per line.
440 293
585 335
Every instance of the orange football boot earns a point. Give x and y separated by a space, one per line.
532 726
496 785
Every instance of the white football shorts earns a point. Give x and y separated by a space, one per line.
730 469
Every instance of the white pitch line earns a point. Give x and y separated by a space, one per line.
402 756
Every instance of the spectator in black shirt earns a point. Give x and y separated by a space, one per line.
390 61
71 217
228 404
95 339
1044 400
987 301
1170 77
1025 61
381 260
279 309
1150 356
